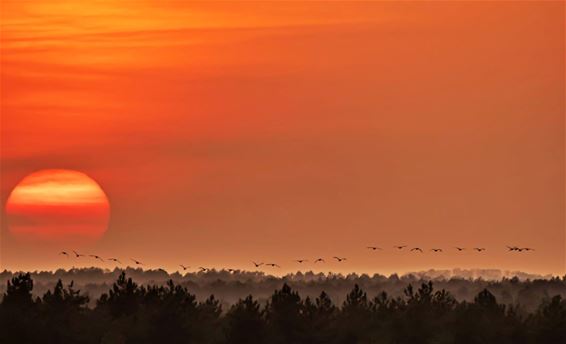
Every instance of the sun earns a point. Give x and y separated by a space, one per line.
58 205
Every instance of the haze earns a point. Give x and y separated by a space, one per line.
229 132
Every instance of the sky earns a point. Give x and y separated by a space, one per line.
226 132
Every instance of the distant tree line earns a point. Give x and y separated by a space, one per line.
524 290
132 313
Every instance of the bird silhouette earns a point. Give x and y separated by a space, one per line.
301 261
459 248
479 249
339 259
436 249
417 249
400 247
137 262
512 248
373 248
202 269
116 260
77 255
319 260
273 265
96 257
184 267
231 270
257 265
64 253
526 249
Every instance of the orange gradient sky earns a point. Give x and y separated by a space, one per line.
225 132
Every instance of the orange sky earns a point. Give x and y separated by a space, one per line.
226 132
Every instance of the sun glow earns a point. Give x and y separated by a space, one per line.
53 187
58 204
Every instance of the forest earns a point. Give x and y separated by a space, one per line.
517 288
129 312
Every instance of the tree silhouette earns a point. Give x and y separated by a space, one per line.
172 310
549 322
18 293
209 318
64 299
284 316
123 298
425 315
152 313
355 318
245 323
19 317
63 312
319 318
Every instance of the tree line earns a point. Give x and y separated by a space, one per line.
170 313
517 288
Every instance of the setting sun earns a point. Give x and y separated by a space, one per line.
58 205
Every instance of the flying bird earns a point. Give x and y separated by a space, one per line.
96 257
64 253
417 249
77 255
203 269
257 265
512 248
184 267
459 248
116 260
137 262
300 261
231 270
436 249
526 249
319 260
373 248
273 265
479 249
400 247
339 259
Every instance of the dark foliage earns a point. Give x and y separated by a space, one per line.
130 313
229 287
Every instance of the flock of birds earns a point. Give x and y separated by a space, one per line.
300 261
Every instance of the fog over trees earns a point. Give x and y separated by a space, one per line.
510 288
170 312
